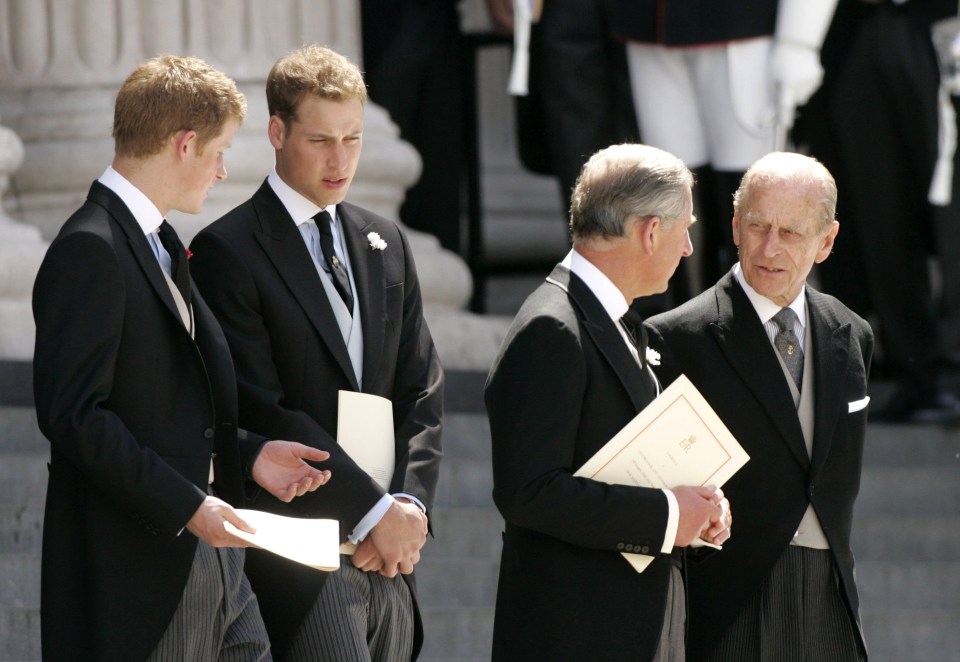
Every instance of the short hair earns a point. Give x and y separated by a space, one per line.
627 180
316 70
167 94
789 167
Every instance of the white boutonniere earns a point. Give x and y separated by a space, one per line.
376 243
652 356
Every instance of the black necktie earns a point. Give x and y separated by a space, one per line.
788 344
340 278
633 324
178 259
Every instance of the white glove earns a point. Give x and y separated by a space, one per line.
796 72
795 60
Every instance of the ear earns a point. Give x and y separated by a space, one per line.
647 227
736 230
826 244
184 141
276 131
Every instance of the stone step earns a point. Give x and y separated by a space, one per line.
23 479
19 432
926 491
16 383
916 585
465 532
21 528
19 580
906 539
465 484
912 635
460 582
19 634
900 445
463 391
457 634
466 436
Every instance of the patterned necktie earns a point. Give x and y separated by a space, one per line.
788 344
180 271
341 280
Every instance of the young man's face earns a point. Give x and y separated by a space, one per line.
204 166
318 152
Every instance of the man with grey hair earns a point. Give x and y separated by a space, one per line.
570 374
786 369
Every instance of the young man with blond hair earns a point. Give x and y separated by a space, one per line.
317 296
135 390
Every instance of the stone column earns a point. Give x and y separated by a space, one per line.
21 250
61 64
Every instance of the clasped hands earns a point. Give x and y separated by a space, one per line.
704 514
282 469
393 545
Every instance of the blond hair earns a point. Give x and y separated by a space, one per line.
312 70
168 94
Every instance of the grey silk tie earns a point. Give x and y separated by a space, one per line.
788 344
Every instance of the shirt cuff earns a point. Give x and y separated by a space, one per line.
673 522
414 500
371 519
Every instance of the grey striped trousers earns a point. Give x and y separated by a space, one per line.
217 619
358 617
798 616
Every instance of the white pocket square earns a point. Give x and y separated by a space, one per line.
857 405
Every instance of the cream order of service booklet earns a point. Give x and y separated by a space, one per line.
365 432
312 542
676 440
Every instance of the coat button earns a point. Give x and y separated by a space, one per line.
208 433
629 547
620 545
644 549
810 491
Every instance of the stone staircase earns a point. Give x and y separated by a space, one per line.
906 535
23 483
906 538
457 574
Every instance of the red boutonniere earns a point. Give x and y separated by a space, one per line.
189 253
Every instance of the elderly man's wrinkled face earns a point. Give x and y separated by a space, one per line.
780 235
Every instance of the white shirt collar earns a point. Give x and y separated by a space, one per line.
766 308
144 211
300 209
609 295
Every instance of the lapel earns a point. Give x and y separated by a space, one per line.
139 246
831 355
605 335
745 345
282 242
366 265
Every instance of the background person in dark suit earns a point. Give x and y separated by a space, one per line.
783 587
568 377
411 61
303 326
135 391
874 124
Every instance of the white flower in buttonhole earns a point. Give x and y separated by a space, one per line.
376 243
652 356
